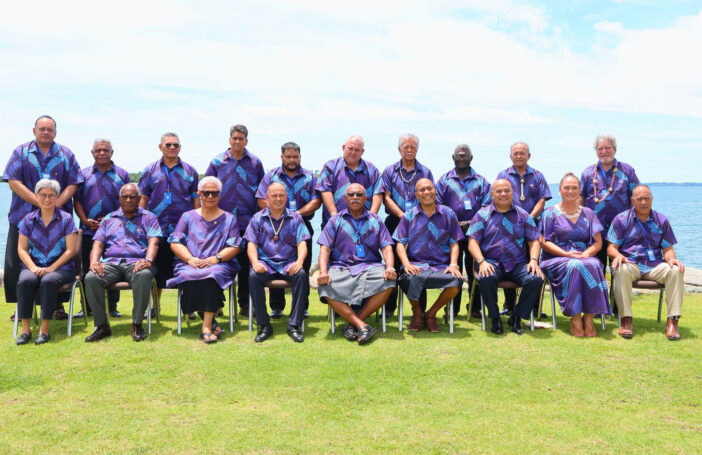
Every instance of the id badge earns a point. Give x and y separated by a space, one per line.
651 254
467 205
360 251
45 175
167 197
293 205
408 206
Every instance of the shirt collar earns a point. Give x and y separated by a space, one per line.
492 209
280 171
267 212
228 154
513 170
34 148
120 214
361 166
111 168
346 212
453 174
179 163
417 166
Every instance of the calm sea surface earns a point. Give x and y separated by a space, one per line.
682 204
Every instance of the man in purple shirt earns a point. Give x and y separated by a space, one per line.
339 173
606 186
127 239
397 183
529 191
168 189
498 239
277 250
29 163
427 244
240 172
464 191
641 247
97 196
353 245
303 198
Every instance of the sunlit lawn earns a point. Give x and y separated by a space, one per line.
543 392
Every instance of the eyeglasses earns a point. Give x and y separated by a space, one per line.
128 196
47 196
212 194
171 145
359 194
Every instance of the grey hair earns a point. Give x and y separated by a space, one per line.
239 129
209 179
359 137
169 134
47 183
100 139
289 146
136 187
520 142
568 175
407 136
463 148
607 137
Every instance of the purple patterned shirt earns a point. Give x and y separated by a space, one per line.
570 236
301 188
28 165
400 183
535 186
279 255
240 179
635 238
170 191
464 197
618 200
503 237
336 177
347 237
203 239
99 192
429 238
47 243
127 238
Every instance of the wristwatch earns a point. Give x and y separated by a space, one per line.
219 257
150 261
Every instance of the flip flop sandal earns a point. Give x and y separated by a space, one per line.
207 337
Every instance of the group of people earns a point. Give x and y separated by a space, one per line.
239 221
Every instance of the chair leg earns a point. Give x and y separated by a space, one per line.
400 304
470 300
232 298
250 314
231 311
383 318
660 304
450 307
154 290
70 308
482 313
531 320
14 331
602 317
148 316
331 318
180 314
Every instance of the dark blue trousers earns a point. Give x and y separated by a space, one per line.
300 289
531 289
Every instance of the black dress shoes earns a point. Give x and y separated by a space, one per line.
138 332
295 334
276 314
115 314
264 333
23 338
42 338
101 331
497 326
515 324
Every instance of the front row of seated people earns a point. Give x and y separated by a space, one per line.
356 262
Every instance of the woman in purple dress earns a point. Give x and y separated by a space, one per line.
205 242
570 239
48 239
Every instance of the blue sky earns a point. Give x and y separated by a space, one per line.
553 74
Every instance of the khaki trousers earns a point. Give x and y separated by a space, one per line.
671 277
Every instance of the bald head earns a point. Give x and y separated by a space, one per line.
277 197
425 191
501 194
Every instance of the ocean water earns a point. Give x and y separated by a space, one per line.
681 203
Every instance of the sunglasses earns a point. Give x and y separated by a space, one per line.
209 193
359 194
128 196
171 145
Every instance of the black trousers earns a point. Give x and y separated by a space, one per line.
277 296
391 223
12 264
86 246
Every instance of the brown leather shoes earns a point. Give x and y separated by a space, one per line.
431 324
626 330
671 329
576 326
415 324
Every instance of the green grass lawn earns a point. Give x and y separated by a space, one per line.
470 392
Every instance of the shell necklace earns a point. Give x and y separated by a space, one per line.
611 185
276 231
571 216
